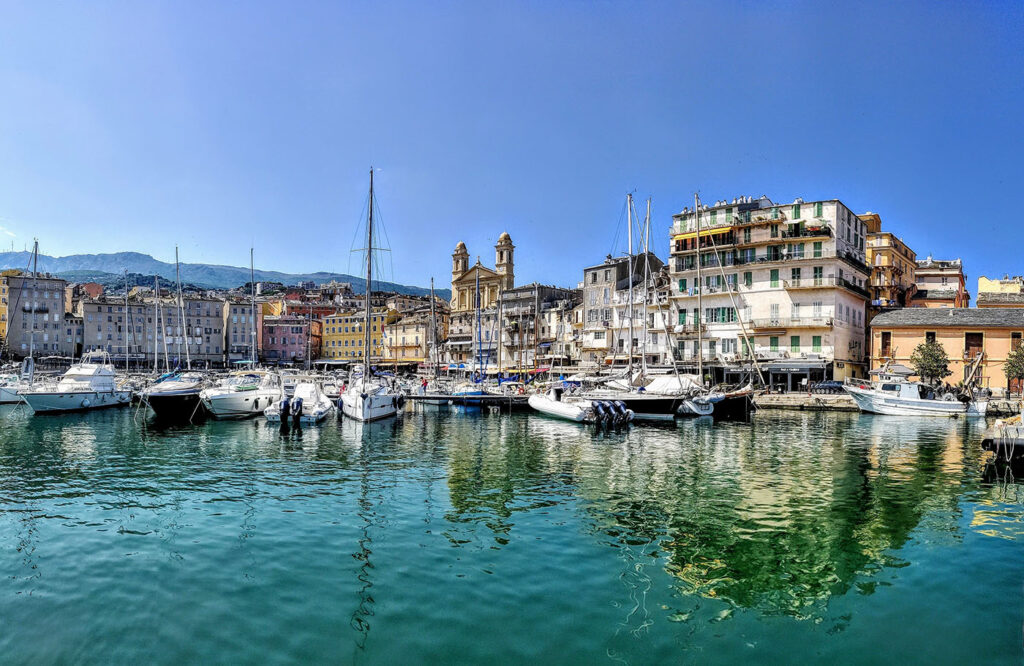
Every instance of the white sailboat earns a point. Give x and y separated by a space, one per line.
369 398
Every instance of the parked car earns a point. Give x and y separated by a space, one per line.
830 387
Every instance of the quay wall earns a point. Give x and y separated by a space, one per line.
844 403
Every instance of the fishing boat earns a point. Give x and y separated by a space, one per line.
307 404
242 394
893 393
175 395
88 384
580 410
369 398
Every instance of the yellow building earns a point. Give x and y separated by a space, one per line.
963 332
274 307
343 335
893 265
1005 293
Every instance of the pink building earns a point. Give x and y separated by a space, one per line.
287 339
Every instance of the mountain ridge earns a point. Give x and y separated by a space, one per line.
216 276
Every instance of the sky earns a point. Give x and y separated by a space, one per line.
220 125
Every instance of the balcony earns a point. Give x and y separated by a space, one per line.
780 323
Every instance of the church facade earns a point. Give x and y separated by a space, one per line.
467 344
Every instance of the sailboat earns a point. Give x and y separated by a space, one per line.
369 398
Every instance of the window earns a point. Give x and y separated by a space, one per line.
817 249
929 336
794 275
819 278
818 209
682 317
773 343
682 284
1015 340
816 341
796 211
775 216
775 277
748 279
886 346
746 235
794 344
775 231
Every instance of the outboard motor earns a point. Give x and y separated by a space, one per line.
599 409
621 415
285 410
297 411
556 393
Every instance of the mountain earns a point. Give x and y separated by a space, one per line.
105 267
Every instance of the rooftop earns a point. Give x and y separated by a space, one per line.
951 317
999 298
936 294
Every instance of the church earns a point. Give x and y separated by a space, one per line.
492 281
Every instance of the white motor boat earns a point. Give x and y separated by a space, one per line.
307 404
581 410
900 397
369 398
88 384
242 395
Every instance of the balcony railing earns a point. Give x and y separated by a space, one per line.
793 322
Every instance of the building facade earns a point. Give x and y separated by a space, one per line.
474 327
241 327
893 267
343 339
964 333
791 278
1005 293
32 313
941 284
289 339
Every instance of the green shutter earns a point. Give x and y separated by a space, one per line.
796 211
818 209
775 277
773 343
794 343
816 343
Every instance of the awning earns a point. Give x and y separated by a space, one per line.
704 232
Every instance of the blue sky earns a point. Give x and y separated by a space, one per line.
138 126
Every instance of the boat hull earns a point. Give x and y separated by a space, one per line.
177 406
872 402
10 395
237 405
648 407
369 406
52 402
569 411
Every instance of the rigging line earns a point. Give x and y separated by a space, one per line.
387 242
618 231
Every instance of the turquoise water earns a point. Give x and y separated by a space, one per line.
459 538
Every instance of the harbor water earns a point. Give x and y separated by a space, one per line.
449 538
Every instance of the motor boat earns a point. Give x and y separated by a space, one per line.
175 395
580 409
89 384
307 404
369 398
899 396
242 394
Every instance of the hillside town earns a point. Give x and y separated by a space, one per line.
809 291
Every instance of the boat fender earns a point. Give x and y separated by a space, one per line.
949 397
85 402
363 396
256 404
394 401
401 401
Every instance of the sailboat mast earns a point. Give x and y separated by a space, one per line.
127 328
700 288
252 311
647 277
479 341
181 310
35 284
156 318
369 278
433 330
629 347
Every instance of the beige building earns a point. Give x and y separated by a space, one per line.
893 266
793 277
941 284
965 333
32 313
1005 293
145 328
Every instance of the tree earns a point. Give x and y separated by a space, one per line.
930 361
1014 366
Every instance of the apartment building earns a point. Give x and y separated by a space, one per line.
941 284
603 334
790 278
343 338
893 267
525 336
32 311
560 323
288 339
241 330
138 331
